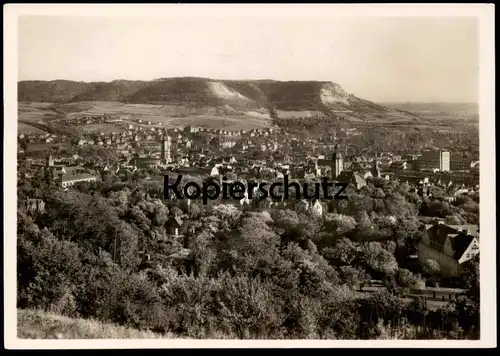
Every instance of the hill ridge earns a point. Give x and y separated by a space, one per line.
254 94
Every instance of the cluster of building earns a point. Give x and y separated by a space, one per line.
443 161
92 119
156 147
200 151
62 174
356 169
40 138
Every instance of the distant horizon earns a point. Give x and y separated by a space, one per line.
381 59
250 79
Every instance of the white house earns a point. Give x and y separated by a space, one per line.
215 171
316 208
69 180
449 245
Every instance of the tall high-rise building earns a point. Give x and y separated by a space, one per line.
445 161
337 162
166 143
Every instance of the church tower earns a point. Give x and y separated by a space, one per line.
165 149
337 163
375 170
49 161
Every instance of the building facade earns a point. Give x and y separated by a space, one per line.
449 245
460 165
69 180
433 160
33 205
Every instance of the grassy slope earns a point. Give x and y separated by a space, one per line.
293 95
33 324
171 98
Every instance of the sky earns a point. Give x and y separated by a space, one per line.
384 59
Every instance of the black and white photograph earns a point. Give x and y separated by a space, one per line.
280 175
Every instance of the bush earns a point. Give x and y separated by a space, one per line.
46 270
107 292
239 306
247 275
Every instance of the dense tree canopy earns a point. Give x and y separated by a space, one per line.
105 250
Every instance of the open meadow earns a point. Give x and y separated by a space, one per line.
23 128
167 115
104 128
35 111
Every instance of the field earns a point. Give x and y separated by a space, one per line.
35 147
35 111
283 114
105 128
226 117
441 111
23 129
169 115
34 105
34 324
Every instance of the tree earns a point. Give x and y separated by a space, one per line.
378 194
431 267
378 260
470 278
340 224
436 208
139 219
23 144
344 252
231 176
253 236
284 218
352 276
175 211
120 197
454 220
405 279
266 174
227 213
195 211
160 214
46 270
246 306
